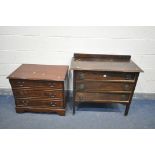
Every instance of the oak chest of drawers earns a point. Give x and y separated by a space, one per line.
40 88
103 79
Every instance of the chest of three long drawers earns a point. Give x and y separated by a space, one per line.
103 79
106 87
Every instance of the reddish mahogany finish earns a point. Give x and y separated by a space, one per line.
40 88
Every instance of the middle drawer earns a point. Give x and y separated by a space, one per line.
103 86
22 93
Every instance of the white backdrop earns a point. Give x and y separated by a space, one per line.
56 45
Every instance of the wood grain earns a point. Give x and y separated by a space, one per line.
103 79
37 93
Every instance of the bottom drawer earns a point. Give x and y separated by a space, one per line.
101 97
39 103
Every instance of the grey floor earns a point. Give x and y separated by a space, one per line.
141 115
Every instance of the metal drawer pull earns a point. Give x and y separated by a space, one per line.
25 102
52 96
81 87
126 87
81 98
81 76
20 83
53 104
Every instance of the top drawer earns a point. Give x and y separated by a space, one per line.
36 84
80 75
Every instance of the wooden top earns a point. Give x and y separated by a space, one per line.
101 62
40 72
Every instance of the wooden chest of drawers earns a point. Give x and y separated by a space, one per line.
40 88
104 79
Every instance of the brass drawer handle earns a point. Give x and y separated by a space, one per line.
81 76
81 86
25 102
20 83
52 104
126 86
52 95
81 98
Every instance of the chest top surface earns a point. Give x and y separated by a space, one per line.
101 62
40 72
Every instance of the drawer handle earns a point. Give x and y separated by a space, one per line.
52 96
81 98
81 86
51 84
25 103
81 76
20 83
52 104
126 87
128 77
123 97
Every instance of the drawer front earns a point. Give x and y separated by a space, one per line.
111 97
36 84
39 103
103 86
104 76
23 93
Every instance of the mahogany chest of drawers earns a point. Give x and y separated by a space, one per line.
40 88
103 79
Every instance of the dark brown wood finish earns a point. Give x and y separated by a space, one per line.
104 79
131 95
105 76
34 93
40 88
17 83
111 63
101 57
101 97
101 86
